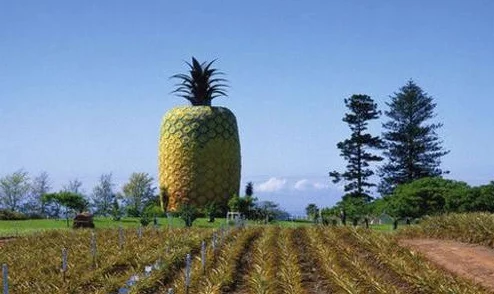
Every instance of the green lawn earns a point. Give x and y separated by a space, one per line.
23 227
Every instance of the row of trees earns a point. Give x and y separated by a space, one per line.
34 197
409 147
425 196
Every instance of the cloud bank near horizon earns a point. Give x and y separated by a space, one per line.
293 194
276 184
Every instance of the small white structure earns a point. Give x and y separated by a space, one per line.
233 216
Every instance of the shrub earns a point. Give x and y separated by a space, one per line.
6 214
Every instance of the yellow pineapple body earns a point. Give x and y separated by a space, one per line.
199 156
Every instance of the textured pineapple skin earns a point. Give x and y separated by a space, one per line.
199 156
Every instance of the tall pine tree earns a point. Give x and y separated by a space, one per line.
413 149
355 150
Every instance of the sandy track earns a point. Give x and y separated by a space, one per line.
474 262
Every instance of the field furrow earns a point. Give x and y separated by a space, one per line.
313 279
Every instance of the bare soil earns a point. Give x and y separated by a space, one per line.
471 261
312 280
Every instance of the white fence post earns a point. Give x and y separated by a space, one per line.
188 263
5 271
93 248
203 256
64 262
120 238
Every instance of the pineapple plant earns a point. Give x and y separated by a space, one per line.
199 148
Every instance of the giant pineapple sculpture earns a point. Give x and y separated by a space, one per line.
199 148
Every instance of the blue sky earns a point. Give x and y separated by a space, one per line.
84 84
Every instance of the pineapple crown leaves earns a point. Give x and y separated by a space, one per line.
201 85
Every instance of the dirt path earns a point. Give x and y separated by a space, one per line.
312 280
474 262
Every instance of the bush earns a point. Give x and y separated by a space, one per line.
6 214
188 213
145 220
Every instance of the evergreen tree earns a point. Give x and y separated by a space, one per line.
355 149
413 149
249 189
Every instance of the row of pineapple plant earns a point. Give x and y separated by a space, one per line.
223 274
337 277
416 271
41 254
477 228
199 149
290 273
261 277
347 257
162 281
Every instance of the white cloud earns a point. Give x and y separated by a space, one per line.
271 185
305 184
302 185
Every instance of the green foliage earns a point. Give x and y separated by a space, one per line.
267 211
71 201
103 195
355 149
39 186
6 214
426 196
116 210
145 220
234 203
355 208
330 215
413 148
249 189
473 199
377 207
153 210
211 210
138 191
244 205
14 189
188 213
312 211
201 86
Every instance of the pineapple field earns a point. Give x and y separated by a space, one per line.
256 259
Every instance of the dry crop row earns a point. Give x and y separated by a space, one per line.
475 228
245 260
35 261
